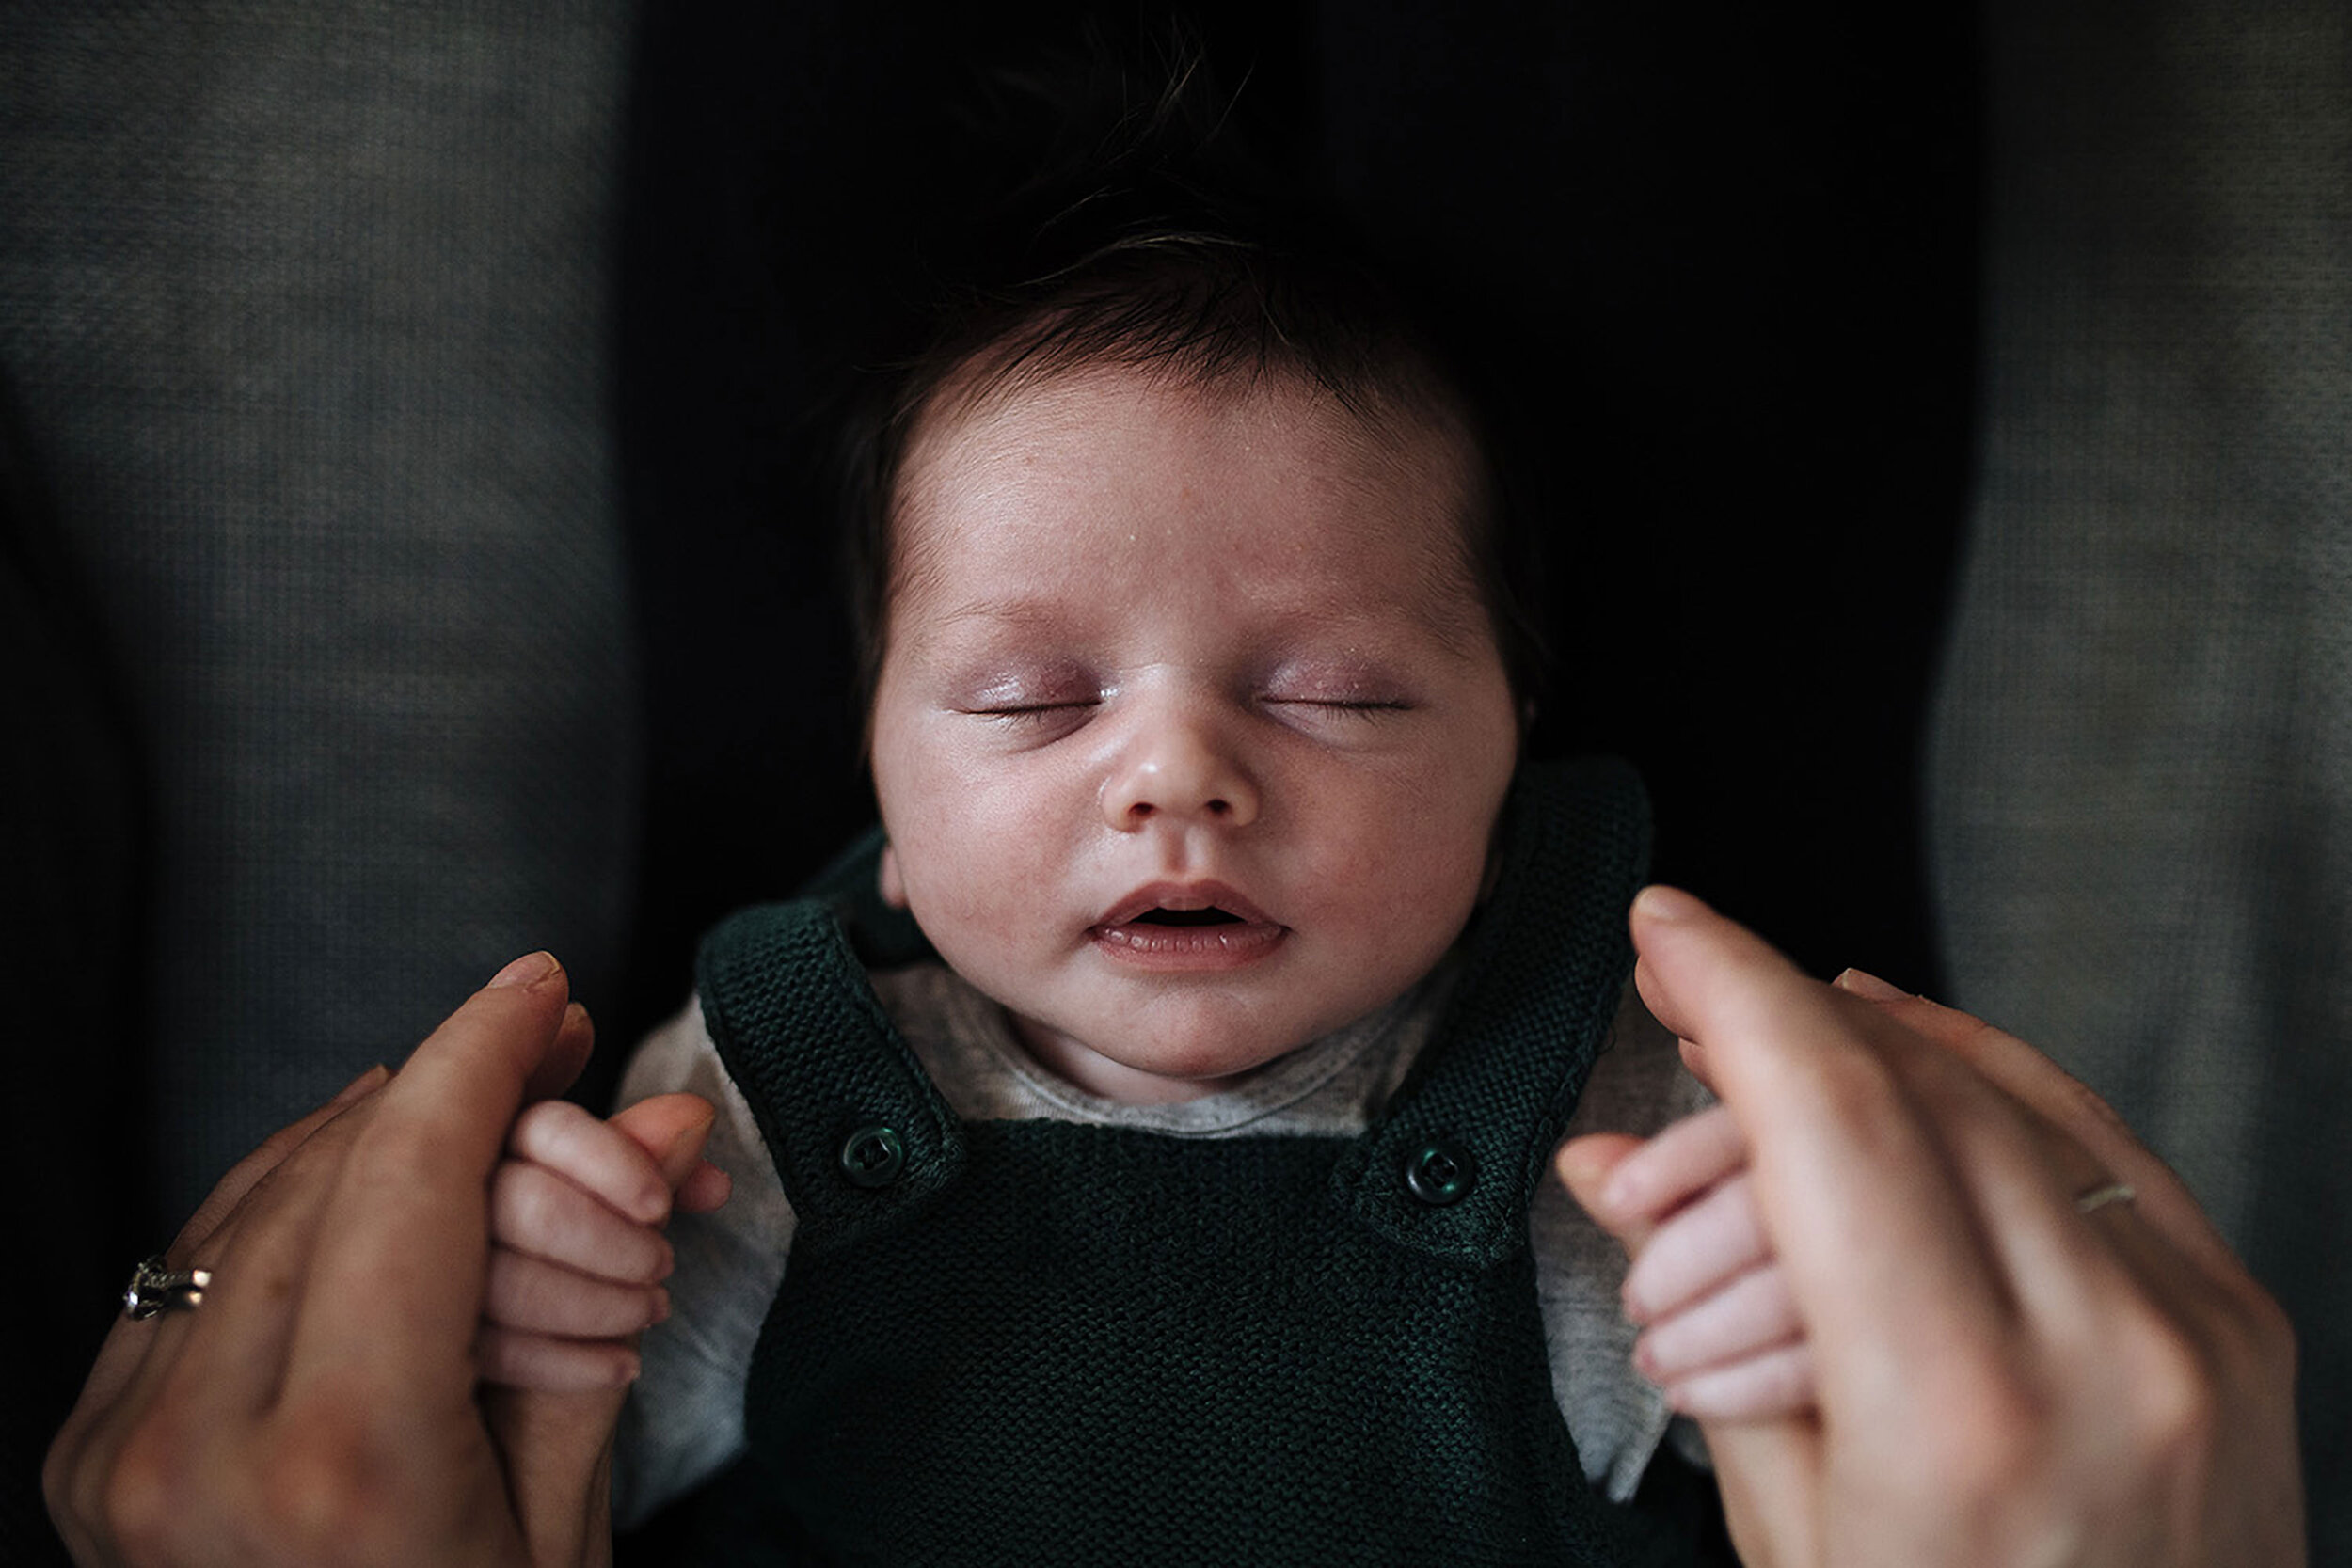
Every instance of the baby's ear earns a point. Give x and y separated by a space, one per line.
894 887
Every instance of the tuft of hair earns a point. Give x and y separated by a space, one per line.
1150 238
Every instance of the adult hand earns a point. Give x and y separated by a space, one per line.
2002 1378
319 1406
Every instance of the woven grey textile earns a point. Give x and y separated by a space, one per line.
2142 772
307 311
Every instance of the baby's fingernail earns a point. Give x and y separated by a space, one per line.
1869 987
650 1203
528 970
661 1305
1659 902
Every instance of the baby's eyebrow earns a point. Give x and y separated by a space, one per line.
1016 611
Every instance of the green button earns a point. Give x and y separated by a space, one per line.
873 1156
1440 1172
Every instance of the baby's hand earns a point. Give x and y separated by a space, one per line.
1720 1329
577 1251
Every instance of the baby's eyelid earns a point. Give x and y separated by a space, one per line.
1015 706
1017 694
1337 704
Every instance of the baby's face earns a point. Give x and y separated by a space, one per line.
1191 730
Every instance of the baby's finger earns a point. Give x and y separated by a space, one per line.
672 1130
706 1187
592 1155
1766 1387
537 1213
536 1296
1754 1313
1583 1166
1703 1244
548 1364
1675 1166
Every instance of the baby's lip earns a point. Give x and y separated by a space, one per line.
1182 895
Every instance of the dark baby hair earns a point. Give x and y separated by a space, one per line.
1161 246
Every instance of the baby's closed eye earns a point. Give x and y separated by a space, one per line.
1340 689
1048 687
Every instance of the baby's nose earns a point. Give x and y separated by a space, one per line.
1179 769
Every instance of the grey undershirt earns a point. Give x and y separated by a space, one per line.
684 1421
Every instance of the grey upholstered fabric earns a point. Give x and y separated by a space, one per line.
2142 759
306 309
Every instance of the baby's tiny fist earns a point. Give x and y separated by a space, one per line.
538 1214
1702 1247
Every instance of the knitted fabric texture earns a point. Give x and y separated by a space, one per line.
1042 1342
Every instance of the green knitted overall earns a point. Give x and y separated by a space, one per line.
1039 1343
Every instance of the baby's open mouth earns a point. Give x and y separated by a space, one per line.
1211 916
1181 929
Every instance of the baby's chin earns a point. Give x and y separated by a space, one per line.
1156 1067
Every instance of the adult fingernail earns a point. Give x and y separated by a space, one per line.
1864 984
361 1086
528 970
1660 902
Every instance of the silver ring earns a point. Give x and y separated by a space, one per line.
2100 1197
156 1289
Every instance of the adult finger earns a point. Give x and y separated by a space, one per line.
267 1157
2068 1103
144 1351
1856 1188
412 1188
376 1451
560 1068
2028 1141
221 1363
181 1429
1956 1426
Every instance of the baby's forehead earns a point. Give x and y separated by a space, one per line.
985 421
1270 505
